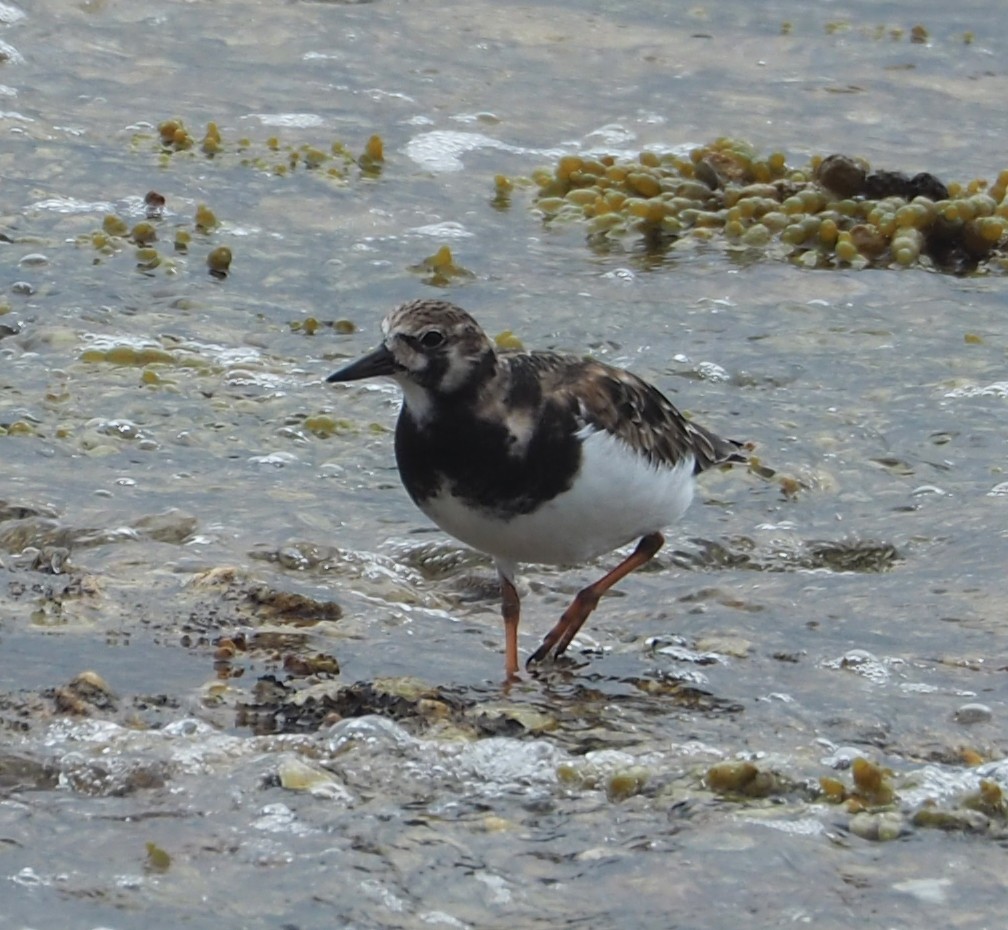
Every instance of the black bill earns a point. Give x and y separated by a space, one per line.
374 364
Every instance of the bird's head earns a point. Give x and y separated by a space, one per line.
431 348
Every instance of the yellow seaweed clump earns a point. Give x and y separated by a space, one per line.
205 220
271 154
989 799
323 426
128 355
833 212
984 811
113 225
147 258
115 233
219 261
313 157
872 783
157 859
311 325
503 188
174 135
507 341
212 144
626 783
373 157
143 233
440 268
743 779
872 787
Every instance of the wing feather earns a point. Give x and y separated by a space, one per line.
624 405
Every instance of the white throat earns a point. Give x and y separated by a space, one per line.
415 399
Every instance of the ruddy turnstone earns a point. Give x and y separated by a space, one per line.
534 456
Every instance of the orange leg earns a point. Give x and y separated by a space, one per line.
511 611
573 618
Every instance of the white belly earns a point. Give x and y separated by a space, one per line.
616 498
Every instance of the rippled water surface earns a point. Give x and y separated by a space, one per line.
244 684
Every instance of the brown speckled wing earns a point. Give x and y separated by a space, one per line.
629 408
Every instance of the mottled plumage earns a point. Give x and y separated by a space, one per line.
534 456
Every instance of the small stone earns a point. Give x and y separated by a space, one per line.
880 827
625 783
969 714
965 821
297 775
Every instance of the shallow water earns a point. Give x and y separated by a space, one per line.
192 518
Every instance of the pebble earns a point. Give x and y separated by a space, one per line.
880 826
973 713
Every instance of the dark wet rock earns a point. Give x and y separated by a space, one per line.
49 596
498 726
50 559
927 185
848 555
880 184
19 711
849 177
438 560
953 246
283 708
678 650
684 695
24 527
111 778
958 821
155 702
35 531
852 556
281 634
705 171
471 588
318 665
292 607
712 554
226 602
842 175
170 526
512 719
84 695
572 712
88 696
21 773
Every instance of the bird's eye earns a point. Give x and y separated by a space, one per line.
431 339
